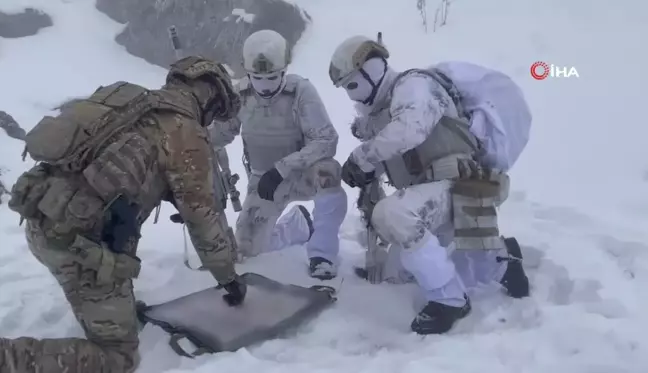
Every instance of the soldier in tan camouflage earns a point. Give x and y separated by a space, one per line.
163 154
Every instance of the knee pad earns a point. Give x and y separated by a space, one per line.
327 173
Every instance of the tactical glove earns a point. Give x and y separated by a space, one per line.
471 169
268 184
353 175
236 291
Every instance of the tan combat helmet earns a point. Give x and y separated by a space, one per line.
265 52
220 102
351 55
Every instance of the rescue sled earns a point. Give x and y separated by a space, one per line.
270 310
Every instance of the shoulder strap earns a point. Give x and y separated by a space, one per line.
456 125
445 82
292 85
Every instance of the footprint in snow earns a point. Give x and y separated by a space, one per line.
630 257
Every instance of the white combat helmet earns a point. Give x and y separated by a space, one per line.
265 52
351 55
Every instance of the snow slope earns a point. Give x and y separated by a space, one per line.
578 204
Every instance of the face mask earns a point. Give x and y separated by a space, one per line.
363 85
358 88
267 85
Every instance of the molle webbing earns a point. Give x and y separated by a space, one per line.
269 128
76 136
475 203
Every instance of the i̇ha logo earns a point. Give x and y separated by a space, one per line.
542 70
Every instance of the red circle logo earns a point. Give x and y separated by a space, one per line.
539 70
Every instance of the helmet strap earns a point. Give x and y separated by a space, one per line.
374 86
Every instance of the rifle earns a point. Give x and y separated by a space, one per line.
175 42
229 179
225 181
376 254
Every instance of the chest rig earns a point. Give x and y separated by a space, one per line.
434 159
270 129
474 201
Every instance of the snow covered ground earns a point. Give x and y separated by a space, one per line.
579 203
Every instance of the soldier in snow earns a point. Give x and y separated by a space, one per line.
411 130
85 202
289 144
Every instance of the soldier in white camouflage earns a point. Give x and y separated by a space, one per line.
83 210
289 144
412 132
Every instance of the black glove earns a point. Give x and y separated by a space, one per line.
268 184
353 176
236 291
177 218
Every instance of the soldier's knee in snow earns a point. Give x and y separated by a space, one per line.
399 220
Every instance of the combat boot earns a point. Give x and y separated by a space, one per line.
515 280
438 318
322 269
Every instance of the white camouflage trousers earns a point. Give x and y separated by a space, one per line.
417 222
259 229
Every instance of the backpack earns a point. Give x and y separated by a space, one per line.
71 140
494 105
68 146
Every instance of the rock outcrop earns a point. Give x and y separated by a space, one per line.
214 29
20 25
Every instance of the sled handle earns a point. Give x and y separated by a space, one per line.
175 346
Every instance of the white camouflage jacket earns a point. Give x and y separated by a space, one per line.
320 136
415 106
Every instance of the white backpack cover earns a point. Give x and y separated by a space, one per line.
499 115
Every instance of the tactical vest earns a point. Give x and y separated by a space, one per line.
83 129
474 201
269 127
91 153
435 158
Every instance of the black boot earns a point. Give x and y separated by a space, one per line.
438 318
515 280
322 269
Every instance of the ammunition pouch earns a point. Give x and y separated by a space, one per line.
63 203
411 172
110 266
28 191
475 216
